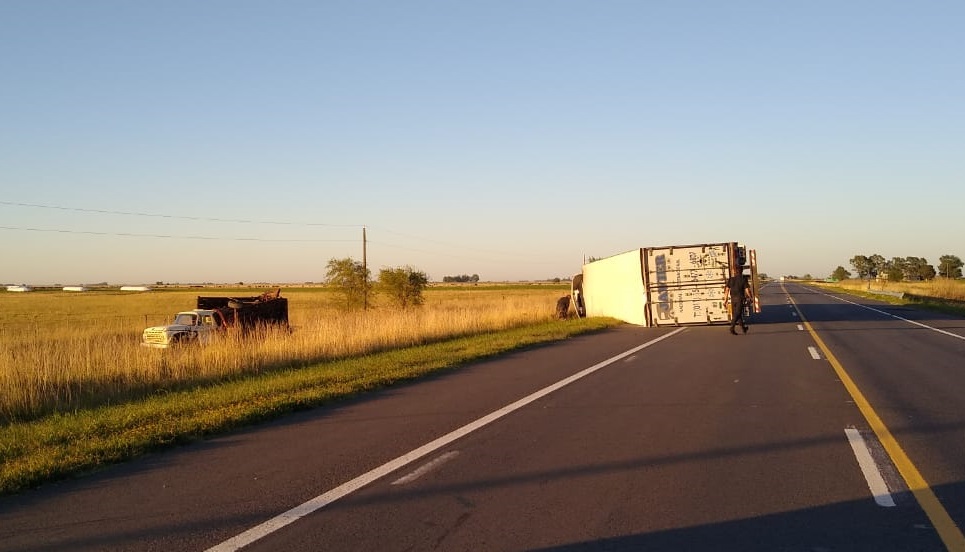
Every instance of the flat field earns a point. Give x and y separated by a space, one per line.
63 351
939 288
941 294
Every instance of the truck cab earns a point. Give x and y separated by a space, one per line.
194 326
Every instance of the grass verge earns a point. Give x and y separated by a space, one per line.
68 444
935 304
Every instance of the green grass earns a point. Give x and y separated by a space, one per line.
68 444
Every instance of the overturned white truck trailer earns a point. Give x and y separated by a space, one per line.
666 286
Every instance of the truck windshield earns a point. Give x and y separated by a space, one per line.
185 319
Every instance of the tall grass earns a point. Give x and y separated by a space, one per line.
52 447
939 288
61 352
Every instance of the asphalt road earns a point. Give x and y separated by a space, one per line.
834 424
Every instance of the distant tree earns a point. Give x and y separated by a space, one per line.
807 276
462 278
404 285
862 265
917 268
878 264
869 266
895 269
950 266
894 273
350 278
840 274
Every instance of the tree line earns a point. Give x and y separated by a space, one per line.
462 278
899 269
353 280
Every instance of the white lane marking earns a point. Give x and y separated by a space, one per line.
926 326
814 353
347 488
876 483
800 327
426 468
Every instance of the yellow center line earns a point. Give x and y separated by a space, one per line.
950 534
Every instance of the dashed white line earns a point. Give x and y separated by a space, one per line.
281 520
814 353
876 483
426 468
800 327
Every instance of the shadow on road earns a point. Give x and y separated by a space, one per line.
828 528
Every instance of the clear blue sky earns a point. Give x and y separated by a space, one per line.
502 138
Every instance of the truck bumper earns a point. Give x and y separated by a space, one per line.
155 345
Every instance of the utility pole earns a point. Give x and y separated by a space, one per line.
365 274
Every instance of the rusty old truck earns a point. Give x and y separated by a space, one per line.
215 316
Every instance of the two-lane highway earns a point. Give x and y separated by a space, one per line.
635 438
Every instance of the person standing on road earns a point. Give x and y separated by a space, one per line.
740 291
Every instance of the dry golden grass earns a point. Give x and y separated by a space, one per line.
939 288
62 351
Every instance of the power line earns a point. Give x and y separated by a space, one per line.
461 247
210 219
165 236
178 217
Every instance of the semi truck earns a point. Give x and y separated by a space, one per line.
217 315
671 285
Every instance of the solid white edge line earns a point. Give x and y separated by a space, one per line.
426 468
814 353
926 326
264 529
876 483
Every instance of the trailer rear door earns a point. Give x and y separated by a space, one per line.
685 285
